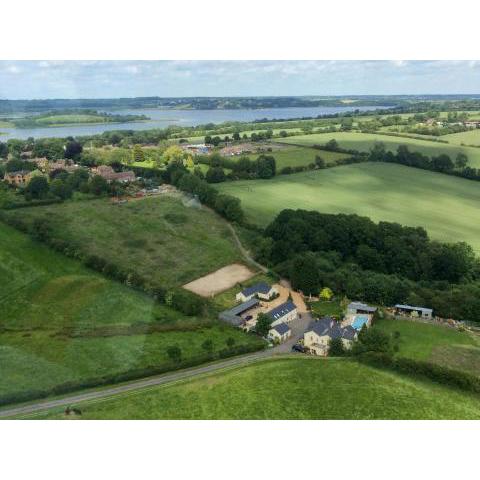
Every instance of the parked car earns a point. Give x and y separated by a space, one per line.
298 348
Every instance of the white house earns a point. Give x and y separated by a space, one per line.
261 290
279 333
284 313
317 337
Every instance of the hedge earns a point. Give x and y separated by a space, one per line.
69 387
432 371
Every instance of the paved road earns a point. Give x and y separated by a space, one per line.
298 328
137 384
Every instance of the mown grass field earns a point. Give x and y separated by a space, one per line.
364 142
56 120
62 323
159 238
443 345
289 388
448 207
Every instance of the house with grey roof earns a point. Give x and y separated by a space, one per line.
317 337
284 313
409 311
261 290
279 333
237 315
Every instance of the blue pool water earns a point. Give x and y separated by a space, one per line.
359 321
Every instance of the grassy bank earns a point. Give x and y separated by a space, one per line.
158 238
61 323
294 388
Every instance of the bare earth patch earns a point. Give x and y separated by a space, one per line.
220 280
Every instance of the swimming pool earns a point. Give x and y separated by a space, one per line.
360 321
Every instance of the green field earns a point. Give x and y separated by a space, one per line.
448 207
158 238
289 388
57 120
302 157
61 323
442 345
364 142
472 137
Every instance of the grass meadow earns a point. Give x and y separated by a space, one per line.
364 142
157 237
448 207
289 388
442 345
61 323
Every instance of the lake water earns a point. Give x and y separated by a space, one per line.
164 118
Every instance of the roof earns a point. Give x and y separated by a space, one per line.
330 328
233 315
261 287
281 310
409 307
18 172
281 328
361 306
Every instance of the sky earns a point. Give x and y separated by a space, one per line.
112 79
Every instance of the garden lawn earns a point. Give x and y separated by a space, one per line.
365 141
62 323
158 238
442 345
289 388
447 207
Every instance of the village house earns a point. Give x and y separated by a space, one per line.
317 338
19 178
279 333
107 172
409 311
260 290
238 316
284 313
472 123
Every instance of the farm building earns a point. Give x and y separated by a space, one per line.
317 338
19 178
355 308
409 311
284 313
261 290
237 316
279 333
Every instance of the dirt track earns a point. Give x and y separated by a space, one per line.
220 280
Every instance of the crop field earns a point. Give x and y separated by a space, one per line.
158 238
364 142
438 344
289 388
62 323
448 207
